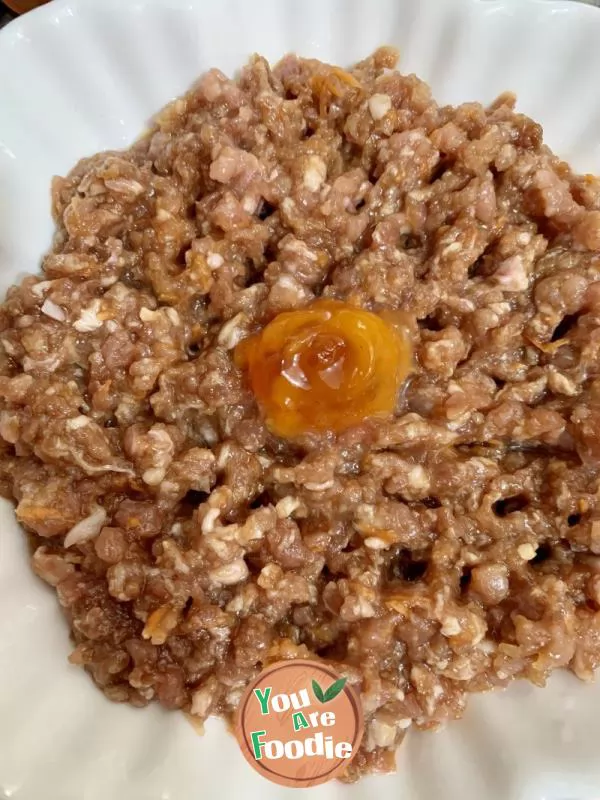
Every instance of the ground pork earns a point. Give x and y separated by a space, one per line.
447 549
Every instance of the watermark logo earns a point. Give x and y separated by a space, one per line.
299 724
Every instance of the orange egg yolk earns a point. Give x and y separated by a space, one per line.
325 367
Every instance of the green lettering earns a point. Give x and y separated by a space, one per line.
299 721
256 745
263 699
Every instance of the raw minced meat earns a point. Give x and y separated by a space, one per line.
446 550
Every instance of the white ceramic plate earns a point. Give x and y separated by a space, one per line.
79 76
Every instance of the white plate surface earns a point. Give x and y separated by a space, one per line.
79 76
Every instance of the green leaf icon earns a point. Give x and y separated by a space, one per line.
318 692
335 689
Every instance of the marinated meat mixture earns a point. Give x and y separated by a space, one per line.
313 370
